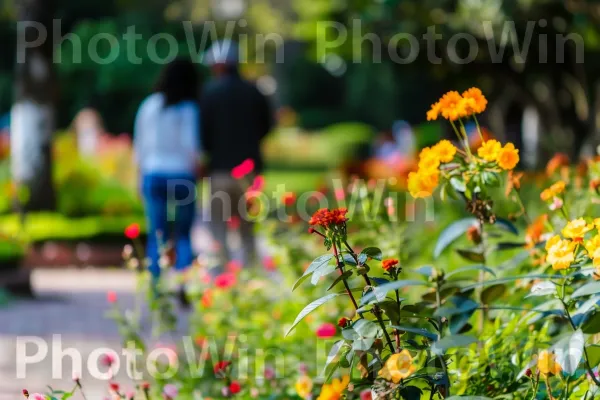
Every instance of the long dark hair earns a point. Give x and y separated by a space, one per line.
179 81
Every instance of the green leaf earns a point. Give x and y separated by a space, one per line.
451 233
373 252
506 225
592 324
509 245
321 272
317 263
310 308
470 268
585 290
333 354
347 274
543 288
366 328
593 353
379 293
416 331
509 279
425 270
471 255
569 352
468 398
363 344
492 293
452 341
458 184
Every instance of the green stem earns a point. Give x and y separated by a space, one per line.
340 265
481 278
438 302
478 128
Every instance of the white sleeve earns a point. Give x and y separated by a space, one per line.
138 135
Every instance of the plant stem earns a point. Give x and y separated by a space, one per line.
340 265
478 128
438 302
481 278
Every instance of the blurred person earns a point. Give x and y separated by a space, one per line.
89 127
236 118
167 148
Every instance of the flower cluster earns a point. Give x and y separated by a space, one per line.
553 191
423 182
389 263
563 252
452 106
506 157
327 218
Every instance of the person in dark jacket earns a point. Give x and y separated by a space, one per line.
236 117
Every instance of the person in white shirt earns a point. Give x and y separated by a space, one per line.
167 147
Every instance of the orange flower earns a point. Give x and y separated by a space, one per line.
421 184
553 191
514 182
434 112
342 322
479 100
428 159
389 263
508 157
326 218
559 160
547 364
453 106
534 232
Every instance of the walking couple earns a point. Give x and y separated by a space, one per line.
185 130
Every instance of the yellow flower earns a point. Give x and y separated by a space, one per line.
593 248
434 112
553 191
508 157
489 150
479 100
453 106
428 159
560 252
335 389
597 223
444 150
304 386
577 229
421 184
547 364
398 366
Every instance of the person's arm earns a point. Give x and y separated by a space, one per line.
138 144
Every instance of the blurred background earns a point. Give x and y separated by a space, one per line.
348 108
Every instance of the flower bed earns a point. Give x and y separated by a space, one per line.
486 298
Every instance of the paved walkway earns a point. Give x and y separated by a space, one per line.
67 313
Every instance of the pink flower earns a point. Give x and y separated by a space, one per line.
269 373
340 194
37 396
326 330
225 280
258 184
556 204
111 297
132 231
109 359
234 223
366 395
233 266
130 395
246 167
269 264
170 391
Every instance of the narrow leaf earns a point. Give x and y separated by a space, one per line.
310 308
451 233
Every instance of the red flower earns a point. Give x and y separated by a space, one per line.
258 184
114 387
108 359
269 264
225 280
111 297
288 199
246 167
326 331
235 387
26 393
389 263
343 322
366 395
325 218
145 386
221 366
234 223
132 231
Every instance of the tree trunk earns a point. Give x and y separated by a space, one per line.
33 113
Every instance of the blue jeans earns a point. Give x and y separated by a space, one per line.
170 204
